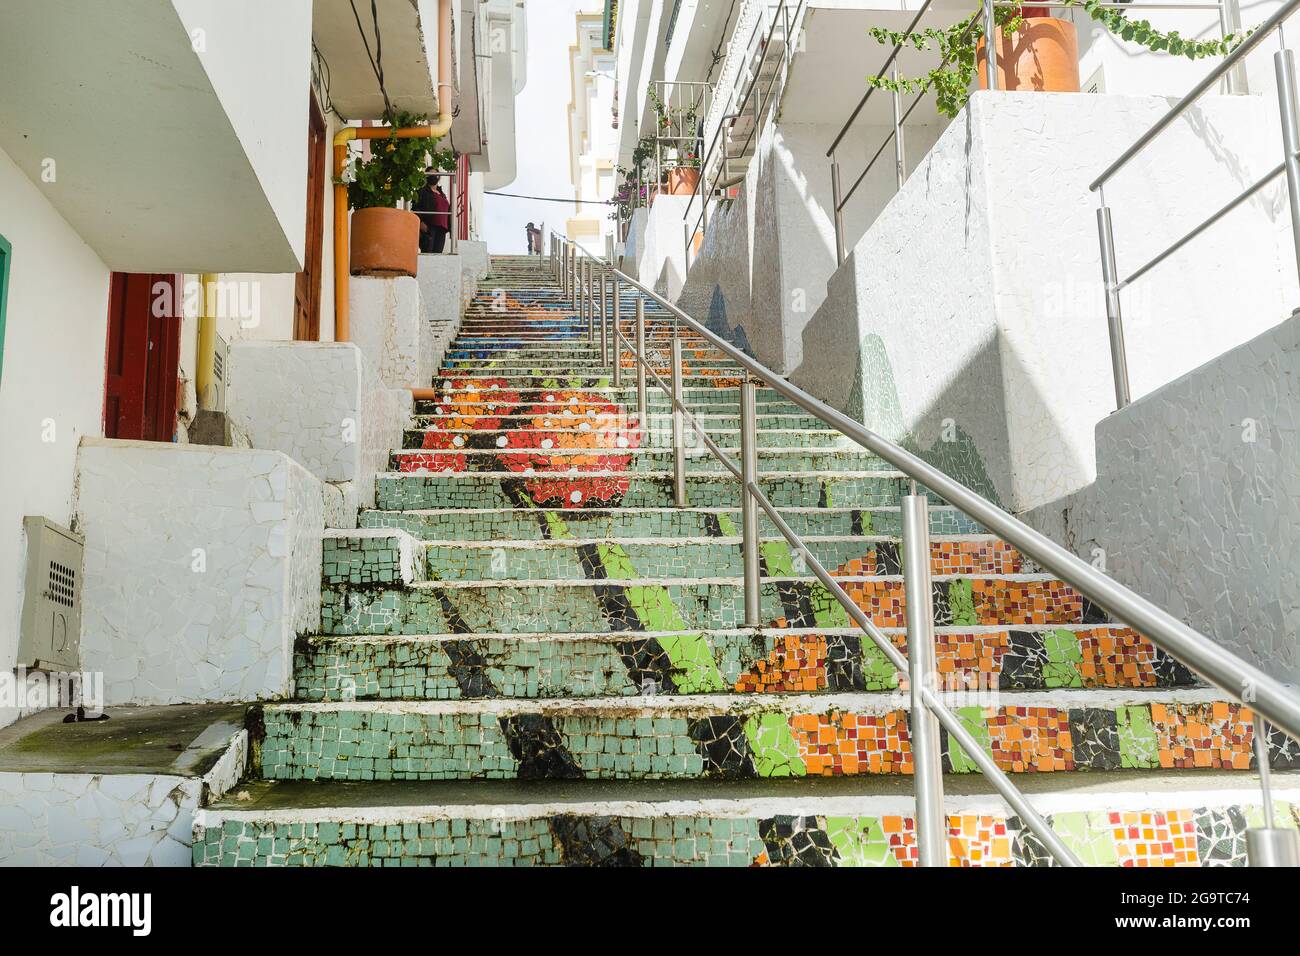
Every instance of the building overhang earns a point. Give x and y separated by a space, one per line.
170 134
408 30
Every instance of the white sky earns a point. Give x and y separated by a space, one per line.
542 129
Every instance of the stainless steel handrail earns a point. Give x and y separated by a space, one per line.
1268 697
1289 113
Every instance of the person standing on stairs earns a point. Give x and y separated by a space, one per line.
435 217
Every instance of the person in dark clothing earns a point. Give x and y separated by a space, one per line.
435 217
534 239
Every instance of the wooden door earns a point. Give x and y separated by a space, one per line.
144 338
306 299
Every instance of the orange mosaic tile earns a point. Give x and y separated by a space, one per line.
838 744
1116 657
979 841
1154 838
1031 739
998 601
797 663
1217 735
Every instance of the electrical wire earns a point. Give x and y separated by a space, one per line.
582 202
376 59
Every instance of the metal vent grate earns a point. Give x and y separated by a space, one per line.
51 623
62 587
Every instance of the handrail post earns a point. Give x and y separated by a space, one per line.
1284 69
900 157
839 211
990 46
617 339
1234 81
573 276
604 317
591 303
1268 845
1114 316
748 506
927 767
679 441
639 359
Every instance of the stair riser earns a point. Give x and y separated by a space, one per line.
490 407
659 436
1173 835
670 523
610 459
598 606
739 662
639 743
452 562
414 492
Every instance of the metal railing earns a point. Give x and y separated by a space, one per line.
1289 114
1229 24
749 104
580 275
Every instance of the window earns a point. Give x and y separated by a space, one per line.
6 254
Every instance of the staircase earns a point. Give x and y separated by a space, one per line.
528 655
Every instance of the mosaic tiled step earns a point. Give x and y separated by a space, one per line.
573 557
640 604
601 489
553 377
660 422
436 434
719 736
533 391
848 822
512 524
762 661
555 352
547 450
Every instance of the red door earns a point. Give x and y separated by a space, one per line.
144 338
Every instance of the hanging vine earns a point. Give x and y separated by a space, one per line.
957 45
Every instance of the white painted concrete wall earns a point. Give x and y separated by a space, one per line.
1196 505
258 58
661 263
202 566
969 319
388 324
442 298
92 820
782 217
322 404
52 385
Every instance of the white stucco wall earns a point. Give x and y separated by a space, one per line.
52 384
322 404
1196 505
202 566
125 819
388 324
442 298
661 264
969 319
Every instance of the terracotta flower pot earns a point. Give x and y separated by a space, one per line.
1043 56
682 180
385 242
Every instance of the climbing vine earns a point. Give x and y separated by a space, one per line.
956 45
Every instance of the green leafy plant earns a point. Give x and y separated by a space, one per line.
395 171
957 45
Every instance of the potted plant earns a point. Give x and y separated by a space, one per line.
1036 52
385 238
685 176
